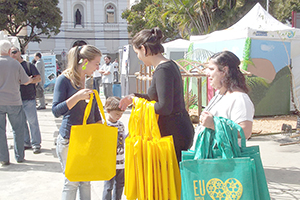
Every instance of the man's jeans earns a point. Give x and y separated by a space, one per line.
114 186
16 118
107 89
42 101
29 107
97 81
70 188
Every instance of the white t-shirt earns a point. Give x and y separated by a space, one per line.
97 74
108 78
236 106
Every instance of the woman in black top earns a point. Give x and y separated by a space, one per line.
166 89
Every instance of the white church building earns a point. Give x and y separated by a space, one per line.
96 22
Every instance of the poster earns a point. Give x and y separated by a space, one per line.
50 71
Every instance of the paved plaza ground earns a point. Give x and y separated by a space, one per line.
40 176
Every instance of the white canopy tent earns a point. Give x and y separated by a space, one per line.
176 49
258 24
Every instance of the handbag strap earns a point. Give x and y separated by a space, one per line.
223 141
153 117
89 107
226 137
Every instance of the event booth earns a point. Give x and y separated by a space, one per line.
266 48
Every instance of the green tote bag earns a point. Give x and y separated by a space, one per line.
220 169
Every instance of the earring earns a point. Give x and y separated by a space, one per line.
84 66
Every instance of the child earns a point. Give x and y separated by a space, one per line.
116 183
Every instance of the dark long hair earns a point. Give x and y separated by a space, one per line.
234 77
150 39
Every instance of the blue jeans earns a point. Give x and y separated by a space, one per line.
70 188
97 81
116 184
29 107
16 118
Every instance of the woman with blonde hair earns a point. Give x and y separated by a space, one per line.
69 101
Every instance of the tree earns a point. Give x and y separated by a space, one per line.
198 17
146 15
37 16
182 18
282 9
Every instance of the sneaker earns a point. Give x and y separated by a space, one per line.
40 108
27 147
3 163
36 150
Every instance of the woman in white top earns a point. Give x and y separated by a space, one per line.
231 100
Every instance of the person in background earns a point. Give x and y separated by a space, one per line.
97 80
29 103
113 188
166 89
107 71
40 65
116 71
69 101
11 76
231 100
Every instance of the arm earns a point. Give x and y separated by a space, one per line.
35 74
127 100
36 79
62 103
206 120
164 84
82 94
110 70
247 128
29 81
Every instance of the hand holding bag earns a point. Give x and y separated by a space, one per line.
220 169
92 148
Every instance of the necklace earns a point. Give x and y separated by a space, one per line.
215 101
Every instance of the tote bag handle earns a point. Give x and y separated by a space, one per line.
89 107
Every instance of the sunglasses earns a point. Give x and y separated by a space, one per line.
14 52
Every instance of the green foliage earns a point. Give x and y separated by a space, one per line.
193 99
186 17
40 16
246 54
282 9
149 14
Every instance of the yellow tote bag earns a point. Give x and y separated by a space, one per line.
151 167
131 175
92 149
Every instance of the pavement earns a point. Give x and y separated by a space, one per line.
40 176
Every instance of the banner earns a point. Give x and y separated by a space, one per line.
50 71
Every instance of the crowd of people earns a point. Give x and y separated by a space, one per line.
18 102
19 80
